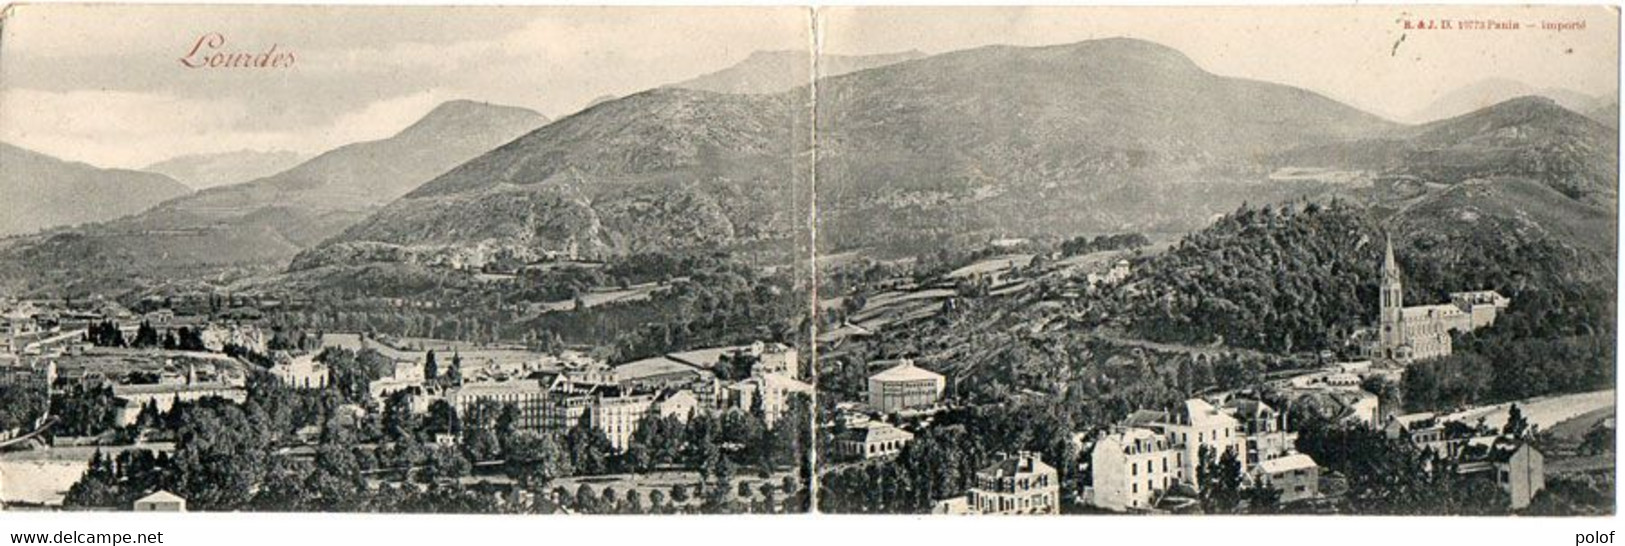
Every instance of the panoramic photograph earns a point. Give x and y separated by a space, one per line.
794 259
406 260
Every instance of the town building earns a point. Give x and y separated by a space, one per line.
774 391
1133 468
1421 332
1118 273
1264 427
775 358
1517 467
1295 476
871 440
406 376
530 399
1197 424
618 416
681 404
164 395
1021 484
300 372
1427 432
956 506
159 501
905 387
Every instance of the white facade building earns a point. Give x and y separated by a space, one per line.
1133 467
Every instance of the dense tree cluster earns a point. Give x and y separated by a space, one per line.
1498 369
1391 477
84 410
21 404
942 461
1275 279
1117 241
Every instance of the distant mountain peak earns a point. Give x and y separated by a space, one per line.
1495 91
1520 111
461 113
773 71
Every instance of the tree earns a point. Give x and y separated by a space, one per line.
679 493
657 501
442 419
589 449
634 502
535 460
146 336
431 369
454 374
1220 480
1516 423
586 499
399 421
1262 499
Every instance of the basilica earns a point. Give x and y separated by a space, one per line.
1420 332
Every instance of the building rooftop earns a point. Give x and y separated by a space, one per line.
1199 413
650 367
168 388
161 496
1412 419
877 431
1426 311
521 386
1145 417
905 370
1025 462
1296 461
1135 440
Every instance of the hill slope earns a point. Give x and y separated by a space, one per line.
1528 137
44 192
659 170
1104 135
1607 114
201 171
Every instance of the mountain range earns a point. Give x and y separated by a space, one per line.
1100 136
1103 136
43 192
263 223
202 171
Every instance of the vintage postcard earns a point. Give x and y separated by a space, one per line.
778 260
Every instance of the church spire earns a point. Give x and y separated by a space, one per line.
1390 268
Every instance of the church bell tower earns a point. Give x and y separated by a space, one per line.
1389 317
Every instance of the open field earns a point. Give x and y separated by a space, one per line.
1576 428
994 265
43 476
115 362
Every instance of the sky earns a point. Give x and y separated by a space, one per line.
105 85
1344 52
